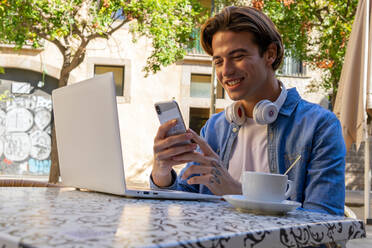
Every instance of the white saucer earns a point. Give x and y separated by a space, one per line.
261 207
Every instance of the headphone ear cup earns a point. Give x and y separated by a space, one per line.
257 112
265 112
270 113
239 114
235 113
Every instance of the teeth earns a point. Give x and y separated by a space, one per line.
231 83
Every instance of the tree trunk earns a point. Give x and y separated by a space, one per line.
332 96
63 78
54 169
332 99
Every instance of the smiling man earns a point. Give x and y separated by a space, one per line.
266 128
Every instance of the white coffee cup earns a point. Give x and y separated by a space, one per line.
261 186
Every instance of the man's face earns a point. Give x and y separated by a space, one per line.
240 69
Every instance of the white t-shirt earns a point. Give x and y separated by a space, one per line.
250 150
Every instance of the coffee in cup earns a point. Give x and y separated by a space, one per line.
261 186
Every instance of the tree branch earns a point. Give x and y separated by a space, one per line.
107 34
81 59
118 26
343 18
77 31
80 53
318 13
347 7
353 12
42 13
344 15
56 42
77 56
67 43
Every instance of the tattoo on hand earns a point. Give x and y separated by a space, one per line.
211 180
216 173
215 164
214 179
217 179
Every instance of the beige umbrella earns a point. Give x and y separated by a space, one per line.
354 96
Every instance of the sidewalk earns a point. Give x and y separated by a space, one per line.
355 201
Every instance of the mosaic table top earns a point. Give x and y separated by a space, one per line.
64 217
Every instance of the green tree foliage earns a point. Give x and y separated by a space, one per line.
314 31
72 24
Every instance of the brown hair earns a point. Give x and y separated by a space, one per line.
244 19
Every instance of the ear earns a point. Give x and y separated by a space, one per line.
270 54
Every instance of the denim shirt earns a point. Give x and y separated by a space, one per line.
302 128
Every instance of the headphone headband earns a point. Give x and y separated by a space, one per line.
283 95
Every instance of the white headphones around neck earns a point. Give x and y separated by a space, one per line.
264 112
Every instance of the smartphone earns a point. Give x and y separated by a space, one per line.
167 111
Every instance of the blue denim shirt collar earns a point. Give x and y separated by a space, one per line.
290 104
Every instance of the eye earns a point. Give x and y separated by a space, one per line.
238 57
218 61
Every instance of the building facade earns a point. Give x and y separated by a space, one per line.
187 82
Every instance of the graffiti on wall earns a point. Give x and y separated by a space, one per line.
25 129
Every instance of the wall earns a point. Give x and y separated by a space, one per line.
354 169
137 117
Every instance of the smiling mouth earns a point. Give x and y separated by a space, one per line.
233 82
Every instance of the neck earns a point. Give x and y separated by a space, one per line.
271 92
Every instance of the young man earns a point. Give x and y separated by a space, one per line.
266 129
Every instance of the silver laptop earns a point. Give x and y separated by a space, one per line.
88 141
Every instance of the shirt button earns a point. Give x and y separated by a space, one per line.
235 129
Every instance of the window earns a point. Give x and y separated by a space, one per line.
200 87
292 67
198 117
118 75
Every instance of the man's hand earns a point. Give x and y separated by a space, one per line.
212 173
164 152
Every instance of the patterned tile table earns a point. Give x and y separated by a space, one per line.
63 217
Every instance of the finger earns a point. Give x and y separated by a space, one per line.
161 144
204 146
174 151
208 180
168 163
196 157
164 128
196 169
